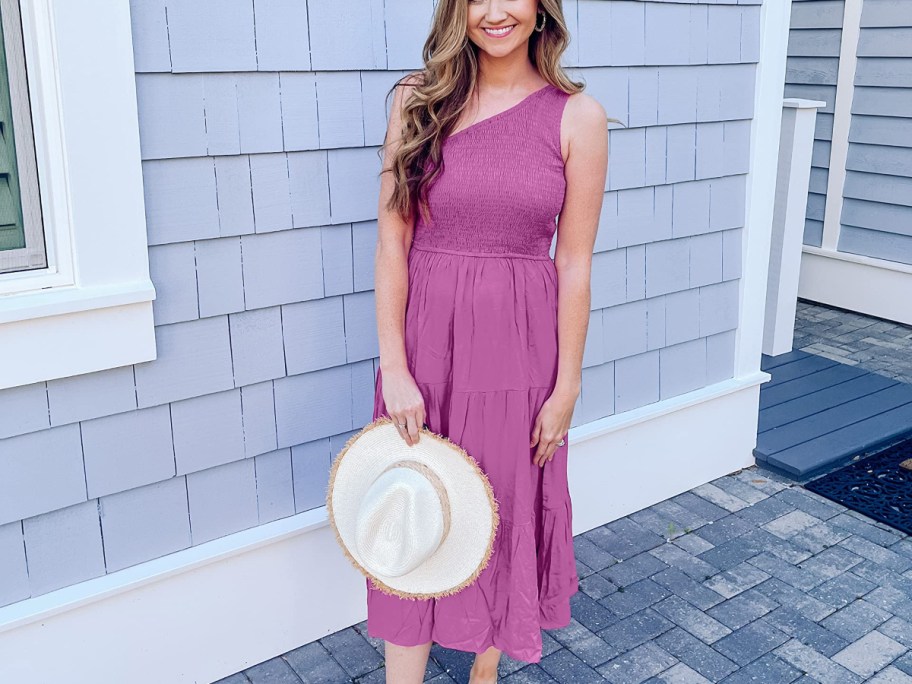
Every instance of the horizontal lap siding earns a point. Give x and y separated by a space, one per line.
260 124
812 65
876 218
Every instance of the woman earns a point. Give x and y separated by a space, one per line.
484 147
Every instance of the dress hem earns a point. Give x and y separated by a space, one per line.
501 648
547 626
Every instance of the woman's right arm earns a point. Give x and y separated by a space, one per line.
404 401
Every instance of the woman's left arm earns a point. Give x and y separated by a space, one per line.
585 128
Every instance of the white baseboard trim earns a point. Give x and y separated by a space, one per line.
193 616
624 463
211 610
875 287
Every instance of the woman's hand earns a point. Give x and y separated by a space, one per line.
552 425
404 403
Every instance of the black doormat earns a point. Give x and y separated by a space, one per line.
876 485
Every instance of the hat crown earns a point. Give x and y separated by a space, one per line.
401 521
380 491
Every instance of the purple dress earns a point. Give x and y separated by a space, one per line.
481 342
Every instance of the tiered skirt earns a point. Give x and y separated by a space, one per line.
481 342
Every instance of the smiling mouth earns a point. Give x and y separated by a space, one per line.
499 32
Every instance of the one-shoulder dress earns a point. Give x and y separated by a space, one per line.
481 341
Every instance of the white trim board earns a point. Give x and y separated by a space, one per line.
875 287
622 464
218 608
842 122
760 197
796 146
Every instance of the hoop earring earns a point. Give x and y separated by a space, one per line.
544 17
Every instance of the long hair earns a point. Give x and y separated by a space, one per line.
440 92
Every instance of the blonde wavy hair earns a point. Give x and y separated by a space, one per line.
440 92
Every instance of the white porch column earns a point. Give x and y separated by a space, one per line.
796 144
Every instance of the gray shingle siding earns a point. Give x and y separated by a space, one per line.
811 69
667 257
259 128
876 217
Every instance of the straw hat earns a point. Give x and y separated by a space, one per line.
418 520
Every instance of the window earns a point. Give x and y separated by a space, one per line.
75 292
21 233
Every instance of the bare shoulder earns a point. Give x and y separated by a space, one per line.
585 115
407 83
413 79
403 88
585 119
401 92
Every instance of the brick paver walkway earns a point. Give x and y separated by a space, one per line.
871 343
748 578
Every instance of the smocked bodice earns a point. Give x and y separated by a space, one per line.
502 184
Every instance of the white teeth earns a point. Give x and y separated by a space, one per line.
499 32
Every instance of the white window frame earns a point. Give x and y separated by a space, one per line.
33 254
91 308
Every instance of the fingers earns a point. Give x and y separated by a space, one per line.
398 422
547 446
545 451
404 404
407 424
413 429
401 422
